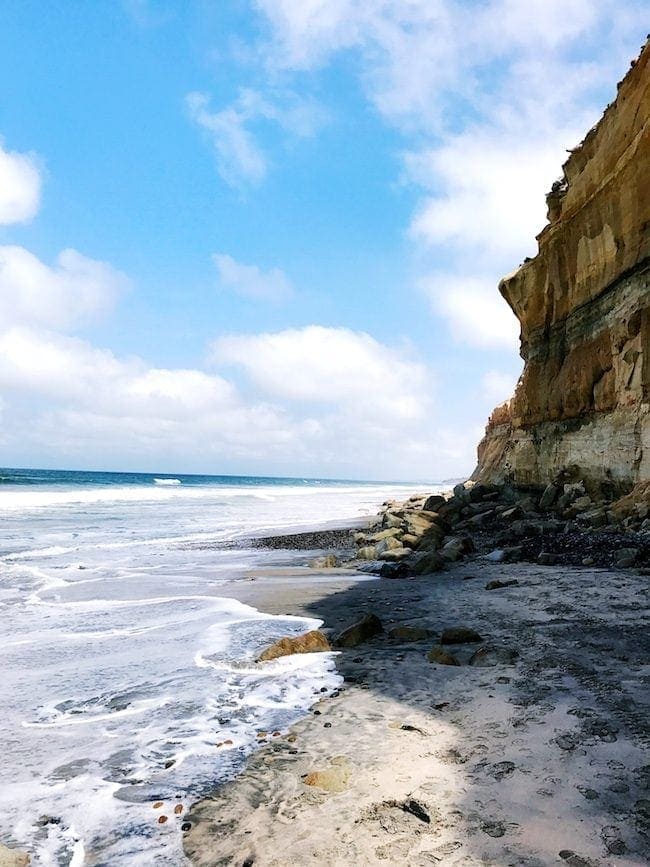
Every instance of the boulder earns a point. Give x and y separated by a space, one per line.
391 520
328 561
409 633
311 642
432 538
626 557
368 552
394 555
546 558
441 657
548 497
460 635
433 503
427 563
390 543
491 655
391 532
357 633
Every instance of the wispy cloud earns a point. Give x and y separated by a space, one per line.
488 98
252 282
241 160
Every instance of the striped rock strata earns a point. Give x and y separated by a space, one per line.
581 407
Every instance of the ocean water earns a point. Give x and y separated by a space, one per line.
124 661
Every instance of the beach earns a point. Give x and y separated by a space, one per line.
534 756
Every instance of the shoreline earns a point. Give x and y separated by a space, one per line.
535 760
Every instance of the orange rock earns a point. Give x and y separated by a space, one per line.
583 304
311 642
157 805
178 809
162 820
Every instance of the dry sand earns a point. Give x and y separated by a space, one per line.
534 761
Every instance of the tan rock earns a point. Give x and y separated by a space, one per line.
441 656
583 304
333 779
395 555
13 857
310 642
368 552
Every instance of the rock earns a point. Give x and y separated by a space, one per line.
358 632
583 307
625 557
332 779
582 504
548 497
496 556
394 570
427 563
460 635
329 561
368 552
505 555
594 517
490 655
310 642
455 547
497 585
461 493
433 503
391 532
588 561
513 514
409 633
432 538
393 521
546 558
13 857
395 554
390 543
410 541
441 656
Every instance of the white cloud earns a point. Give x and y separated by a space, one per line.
72 291
488 96
240 159
475 311
333 401
20 186
331 366
249 281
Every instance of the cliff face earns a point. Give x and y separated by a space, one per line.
582 403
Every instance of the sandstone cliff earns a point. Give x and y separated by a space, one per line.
581 407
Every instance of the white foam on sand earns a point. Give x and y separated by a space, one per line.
125 669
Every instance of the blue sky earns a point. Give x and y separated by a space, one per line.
288 221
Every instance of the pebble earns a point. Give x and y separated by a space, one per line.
162 820
186 826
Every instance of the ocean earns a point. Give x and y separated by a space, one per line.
125 661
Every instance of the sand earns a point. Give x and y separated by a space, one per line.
536 760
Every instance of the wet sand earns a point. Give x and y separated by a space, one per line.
537 759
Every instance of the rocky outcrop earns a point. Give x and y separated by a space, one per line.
582 406
311 642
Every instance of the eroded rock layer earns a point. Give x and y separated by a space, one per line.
582 404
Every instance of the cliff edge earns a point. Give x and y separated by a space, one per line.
581 408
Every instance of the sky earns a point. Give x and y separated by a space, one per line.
265 236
